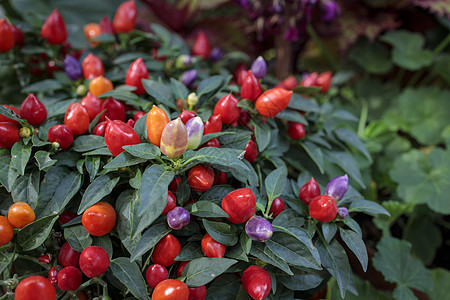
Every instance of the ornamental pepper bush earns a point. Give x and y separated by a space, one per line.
149 184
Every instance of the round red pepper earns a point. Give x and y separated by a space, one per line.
227 108
296 130
115 110
323 208
214 124
61 134
125 17
92 104
212 248
136 72
92 67
54 29
119 134
251 88
33 110
77 118
240 205
6 36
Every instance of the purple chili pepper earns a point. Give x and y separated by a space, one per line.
337 187
72 67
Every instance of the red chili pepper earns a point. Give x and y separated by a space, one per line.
251 88
296 130
214 124
61 134
115 110
201 46
33 110
6 36
186 115
77 118
106 26
92 104
324 81
119 134
273 101
45 258
92 67
227 108
125 17
9 135
136 72
54 29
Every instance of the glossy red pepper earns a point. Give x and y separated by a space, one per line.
197 293
323 208
273 101
61 134
92 67
131 123
220 178
242 76
106 26
54 29
66 217
251 151
125 17
136 72
92 104
115 110
296 130
100 129
156 121
227 108
309 191
173 186
186 115
180 267
240 205
201 178
33 110
77 118
45 258
251 88
211 143
214 124
212 248
19 37
155 274
119 134
166 250
138 115
310 80
257 282
201 46
68 256
171 203
324 81
6 36
277 207
6 119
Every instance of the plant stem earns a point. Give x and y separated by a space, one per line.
35 260
363 118
313 34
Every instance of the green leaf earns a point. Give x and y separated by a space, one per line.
9 113
408 49
129 57
124 159
356 244
216 194
179 90
149 239
208 209
371 56
92 164
144 150
120 95
368 207
203 270
224 288
34 234
43 159
104 242
223 233
292 250
423 178
393 259
130 275
299 102
189 252
301 280
264 253
20 155
78 238
238 141
352 140
47 85
292 115
26 188
99 188
335 260
153 191
8 173
426 112
275 183
315 153
329 230
365 291
262 134
160 92
126 219
210 136
236 252
223 159
90 142
441 290
65 191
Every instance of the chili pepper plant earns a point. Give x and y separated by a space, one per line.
142 167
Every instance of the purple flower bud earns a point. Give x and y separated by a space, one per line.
178 217
72 67
244 3
342 212
188 77
291 34
259 67
195 129
258 229
216 55
337 187
330 10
